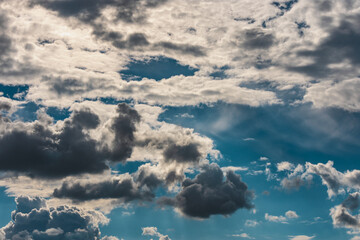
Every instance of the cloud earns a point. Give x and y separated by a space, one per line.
257 39
301 237
242 235
207 194
182 154
272 218
118 188
70 150
153 231
341 214
282 219
34 220
284 166
291 214
251 223
88 11
344 39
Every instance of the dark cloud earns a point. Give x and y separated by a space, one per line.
123 126
147 178
33 220
339 46
186 49
85 118
40 152
125 189
257 39
341 217
208 194
130 11
182 154
352 202
4 106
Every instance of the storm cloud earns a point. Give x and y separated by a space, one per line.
208 194
71 150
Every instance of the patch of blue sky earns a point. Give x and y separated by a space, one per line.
156 68
58 113
26 112
7 206
15 92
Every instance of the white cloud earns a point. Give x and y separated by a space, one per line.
153 231
284 166
301 237
291 214
243 235
251 223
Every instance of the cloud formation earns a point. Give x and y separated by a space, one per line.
208 194
34 220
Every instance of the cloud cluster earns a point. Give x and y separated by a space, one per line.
34 220
281 219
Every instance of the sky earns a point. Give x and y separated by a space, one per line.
179 119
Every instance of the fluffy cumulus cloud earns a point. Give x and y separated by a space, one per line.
34 220
281 219
208 194
153 231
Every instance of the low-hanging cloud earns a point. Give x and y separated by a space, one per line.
208 194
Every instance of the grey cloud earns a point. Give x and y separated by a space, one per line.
4 106
125 189
342 218
182 154
144 177
33 220
64 86
44 154
352 202
340 45
123 126
130 11
257 39
71 150
207 194
186 49
85 118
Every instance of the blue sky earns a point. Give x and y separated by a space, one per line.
171 119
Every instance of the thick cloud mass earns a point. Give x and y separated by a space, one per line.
70 151
123 127
208 194
183 154
34 221
125 189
